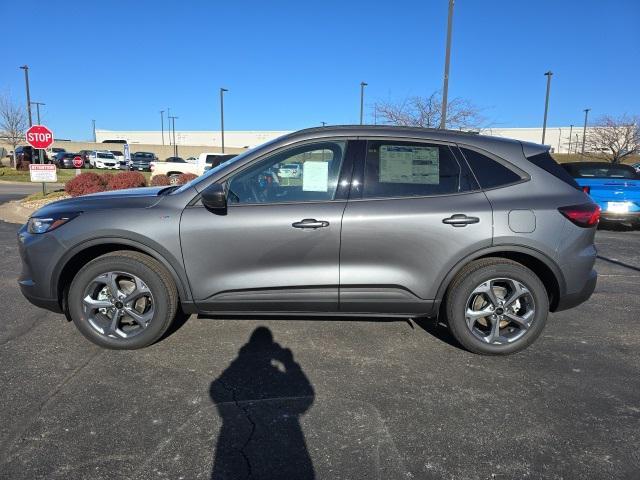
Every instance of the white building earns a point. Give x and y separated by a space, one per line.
237 139
557 137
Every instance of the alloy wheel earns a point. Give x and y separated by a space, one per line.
500 311
118 304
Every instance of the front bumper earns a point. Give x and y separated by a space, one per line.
36 253
571 300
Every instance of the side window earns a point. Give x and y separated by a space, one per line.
301 174
407 169
489 173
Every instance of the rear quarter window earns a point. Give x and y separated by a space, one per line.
490 173
547 163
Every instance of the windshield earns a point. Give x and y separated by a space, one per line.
603 171
217 168
105 155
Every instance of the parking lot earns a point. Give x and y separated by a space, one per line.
325 398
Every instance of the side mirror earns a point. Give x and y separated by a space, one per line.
214 197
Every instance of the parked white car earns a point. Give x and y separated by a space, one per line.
122 163
103 159
204 162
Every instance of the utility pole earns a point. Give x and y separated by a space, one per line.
37 104
162 125
548 74
447 61
570 132
95 140
222 90
26 81
362 85
323 123
584 129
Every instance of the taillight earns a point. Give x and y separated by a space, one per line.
586 190
585 215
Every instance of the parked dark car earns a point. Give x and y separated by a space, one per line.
65 160
488 233
614 187
141 161
85 156
29 154
176 160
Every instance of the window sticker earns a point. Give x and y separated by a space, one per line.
407 164
315 176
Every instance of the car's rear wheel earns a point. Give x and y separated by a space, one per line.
174 179
496 306
123 300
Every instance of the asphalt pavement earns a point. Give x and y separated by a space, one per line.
16 190
330 399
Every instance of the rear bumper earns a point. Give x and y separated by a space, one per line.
620 217
574 299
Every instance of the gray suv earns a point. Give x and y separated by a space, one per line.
487 233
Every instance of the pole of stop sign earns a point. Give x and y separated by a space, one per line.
44 185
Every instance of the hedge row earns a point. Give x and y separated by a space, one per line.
91 182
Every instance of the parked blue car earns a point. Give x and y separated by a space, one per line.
614 187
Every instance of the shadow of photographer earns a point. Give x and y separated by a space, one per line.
260 398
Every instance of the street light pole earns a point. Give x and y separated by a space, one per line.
169 124
447 61
162 125
362 85
548 74
173 127
584 129
95 140
26 81
37 104
570 132
222 90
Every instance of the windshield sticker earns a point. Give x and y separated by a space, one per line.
406 164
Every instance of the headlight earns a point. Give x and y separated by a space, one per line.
46 224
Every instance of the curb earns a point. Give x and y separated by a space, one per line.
9 182
13 212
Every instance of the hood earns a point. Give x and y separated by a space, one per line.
130 198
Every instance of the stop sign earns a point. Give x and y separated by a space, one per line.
78 162
39 136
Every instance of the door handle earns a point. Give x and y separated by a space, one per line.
460 220
310 223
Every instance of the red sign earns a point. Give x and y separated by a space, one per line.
78 162
39 136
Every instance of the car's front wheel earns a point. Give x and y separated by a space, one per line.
123 300
496 306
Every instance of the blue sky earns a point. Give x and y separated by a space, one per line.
291 65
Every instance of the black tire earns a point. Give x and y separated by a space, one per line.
156 278
473 275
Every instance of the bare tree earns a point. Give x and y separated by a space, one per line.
616 137
426 112
13 124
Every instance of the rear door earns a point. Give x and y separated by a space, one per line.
415 210
277 248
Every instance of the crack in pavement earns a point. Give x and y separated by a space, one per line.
253 426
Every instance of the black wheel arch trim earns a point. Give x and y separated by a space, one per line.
537 254
175 270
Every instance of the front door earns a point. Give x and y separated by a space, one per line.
277 248
418 212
